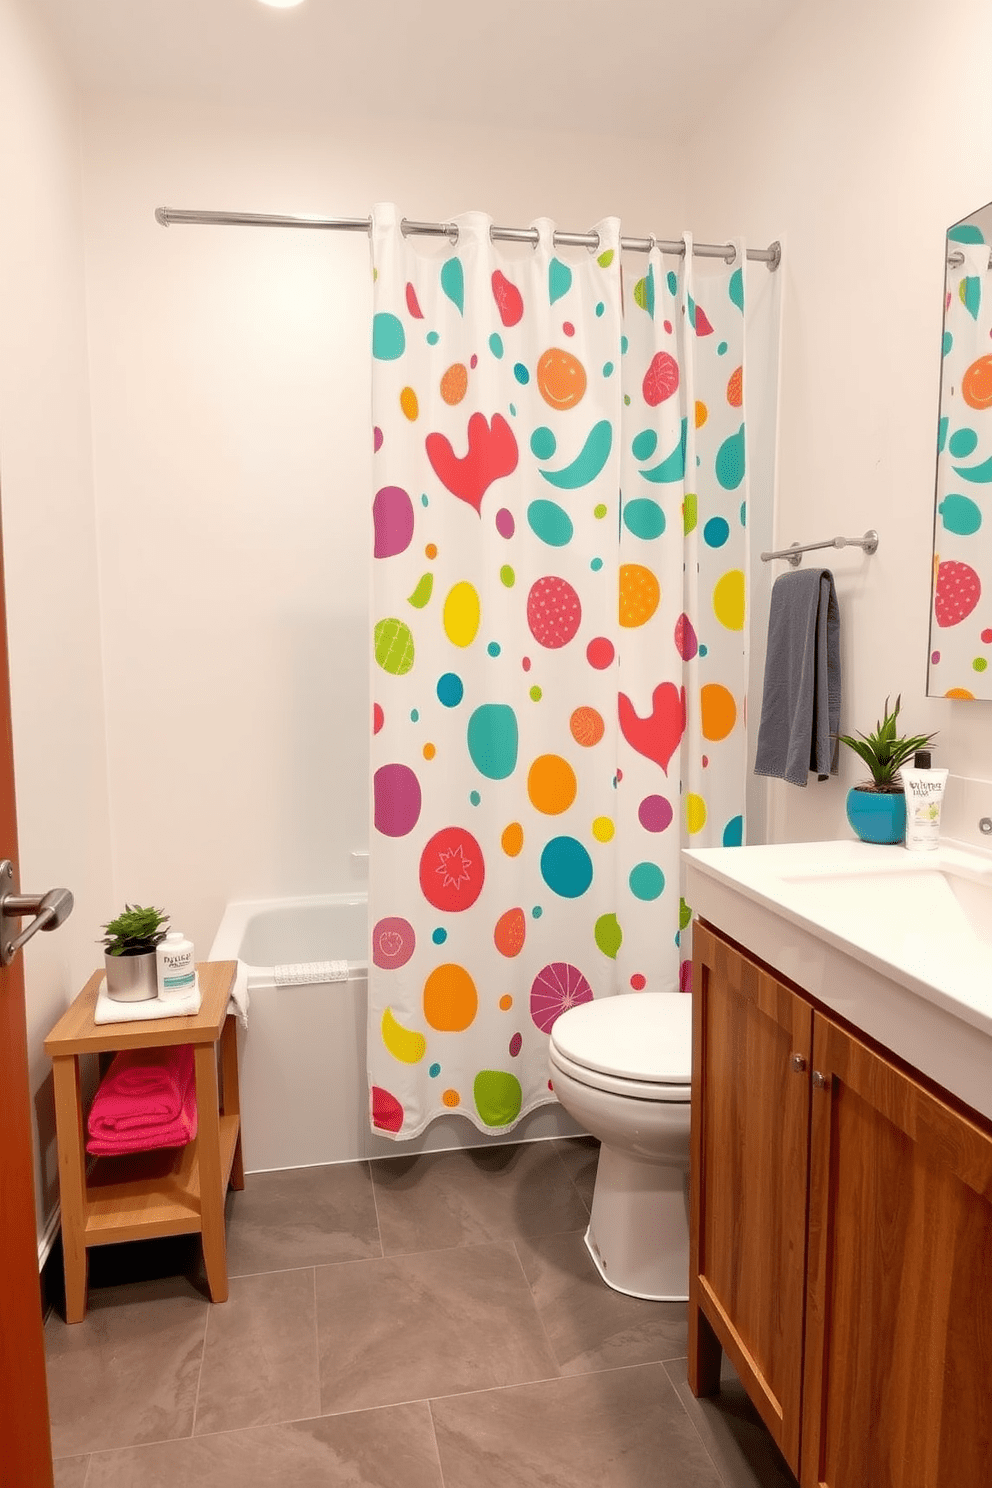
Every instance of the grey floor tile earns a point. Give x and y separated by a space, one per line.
440 1199
392 1448
581 1157
410 1327
260 1358
589 1325
127 1373
732 1432
623 1428
70 1472
301 1217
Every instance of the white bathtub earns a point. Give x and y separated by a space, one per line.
304 1091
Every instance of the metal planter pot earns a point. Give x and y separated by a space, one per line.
131 978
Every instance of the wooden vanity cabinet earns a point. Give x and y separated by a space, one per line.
841 1239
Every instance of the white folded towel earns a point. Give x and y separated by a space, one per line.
239 995
109 1011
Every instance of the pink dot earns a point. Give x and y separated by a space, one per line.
706 760
638 982
987 636
474 363
504 522
376 440
568 328
600 653
619 776
378 718
935 657
526 663
655 814
668 326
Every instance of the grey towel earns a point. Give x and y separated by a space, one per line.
800 708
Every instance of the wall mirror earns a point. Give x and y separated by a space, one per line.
960 660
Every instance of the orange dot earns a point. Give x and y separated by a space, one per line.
587 727
451 1098
506 1002
431 550
450 999
735 388
702 414
976 384
551 784
409 404
959 692
718 711
640 594
429 751
561 378
454 383
512 839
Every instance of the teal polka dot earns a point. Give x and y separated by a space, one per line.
704 650
496 345
537 911
450 690
962 442
566 867
646 881
608 369
960 514
716 532
730 461
948 342
624 343
644 444
733 832
434 1071
743 513
432 338
414 715
722 349
673 283
439 936
493 648
941 433
424 501
474 797
543 443
596 564
388 337
521 374
644 518
600 308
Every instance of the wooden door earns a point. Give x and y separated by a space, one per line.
898 1381
25 1443
748 1174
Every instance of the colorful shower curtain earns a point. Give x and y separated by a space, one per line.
559 644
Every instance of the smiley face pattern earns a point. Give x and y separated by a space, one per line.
961 593
558 649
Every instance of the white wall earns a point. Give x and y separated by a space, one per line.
232 446
858 136
49 538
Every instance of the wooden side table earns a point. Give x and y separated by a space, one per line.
170 1190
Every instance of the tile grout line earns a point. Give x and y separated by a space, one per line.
537 1310
375 1205
199 1377
437 1449
725 1482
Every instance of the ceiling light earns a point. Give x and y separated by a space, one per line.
282 4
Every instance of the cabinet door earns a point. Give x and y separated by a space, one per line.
899 1303
748 1173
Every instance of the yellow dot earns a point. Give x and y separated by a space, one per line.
551 784
728 600
506 1002
695 813
603 829
702 414
431 550
451 1098
429 751
512 839
409 404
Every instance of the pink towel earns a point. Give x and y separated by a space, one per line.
146 1099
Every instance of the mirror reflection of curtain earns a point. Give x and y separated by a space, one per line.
961 598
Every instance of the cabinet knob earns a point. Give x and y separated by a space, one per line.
798 1063
820 1081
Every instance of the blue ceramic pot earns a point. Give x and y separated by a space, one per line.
877 816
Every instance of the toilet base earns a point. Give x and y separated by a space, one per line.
638 1233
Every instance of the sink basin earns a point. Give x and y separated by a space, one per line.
943 907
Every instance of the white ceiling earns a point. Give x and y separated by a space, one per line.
617 66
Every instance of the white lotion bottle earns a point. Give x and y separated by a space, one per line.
175 966
924 796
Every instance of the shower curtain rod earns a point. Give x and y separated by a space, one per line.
166 216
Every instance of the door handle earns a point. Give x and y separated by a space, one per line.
49 910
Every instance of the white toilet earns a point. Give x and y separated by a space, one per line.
622 1067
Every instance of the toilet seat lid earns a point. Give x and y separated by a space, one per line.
643 1036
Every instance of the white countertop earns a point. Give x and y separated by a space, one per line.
898 943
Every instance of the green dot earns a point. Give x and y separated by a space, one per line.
507 577
626 399
979 663
536 694
689 511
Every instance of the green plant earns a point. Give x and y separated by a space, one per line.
884 751
137 930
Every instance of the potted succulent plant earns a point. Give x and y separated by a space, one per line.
129 952
876 808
